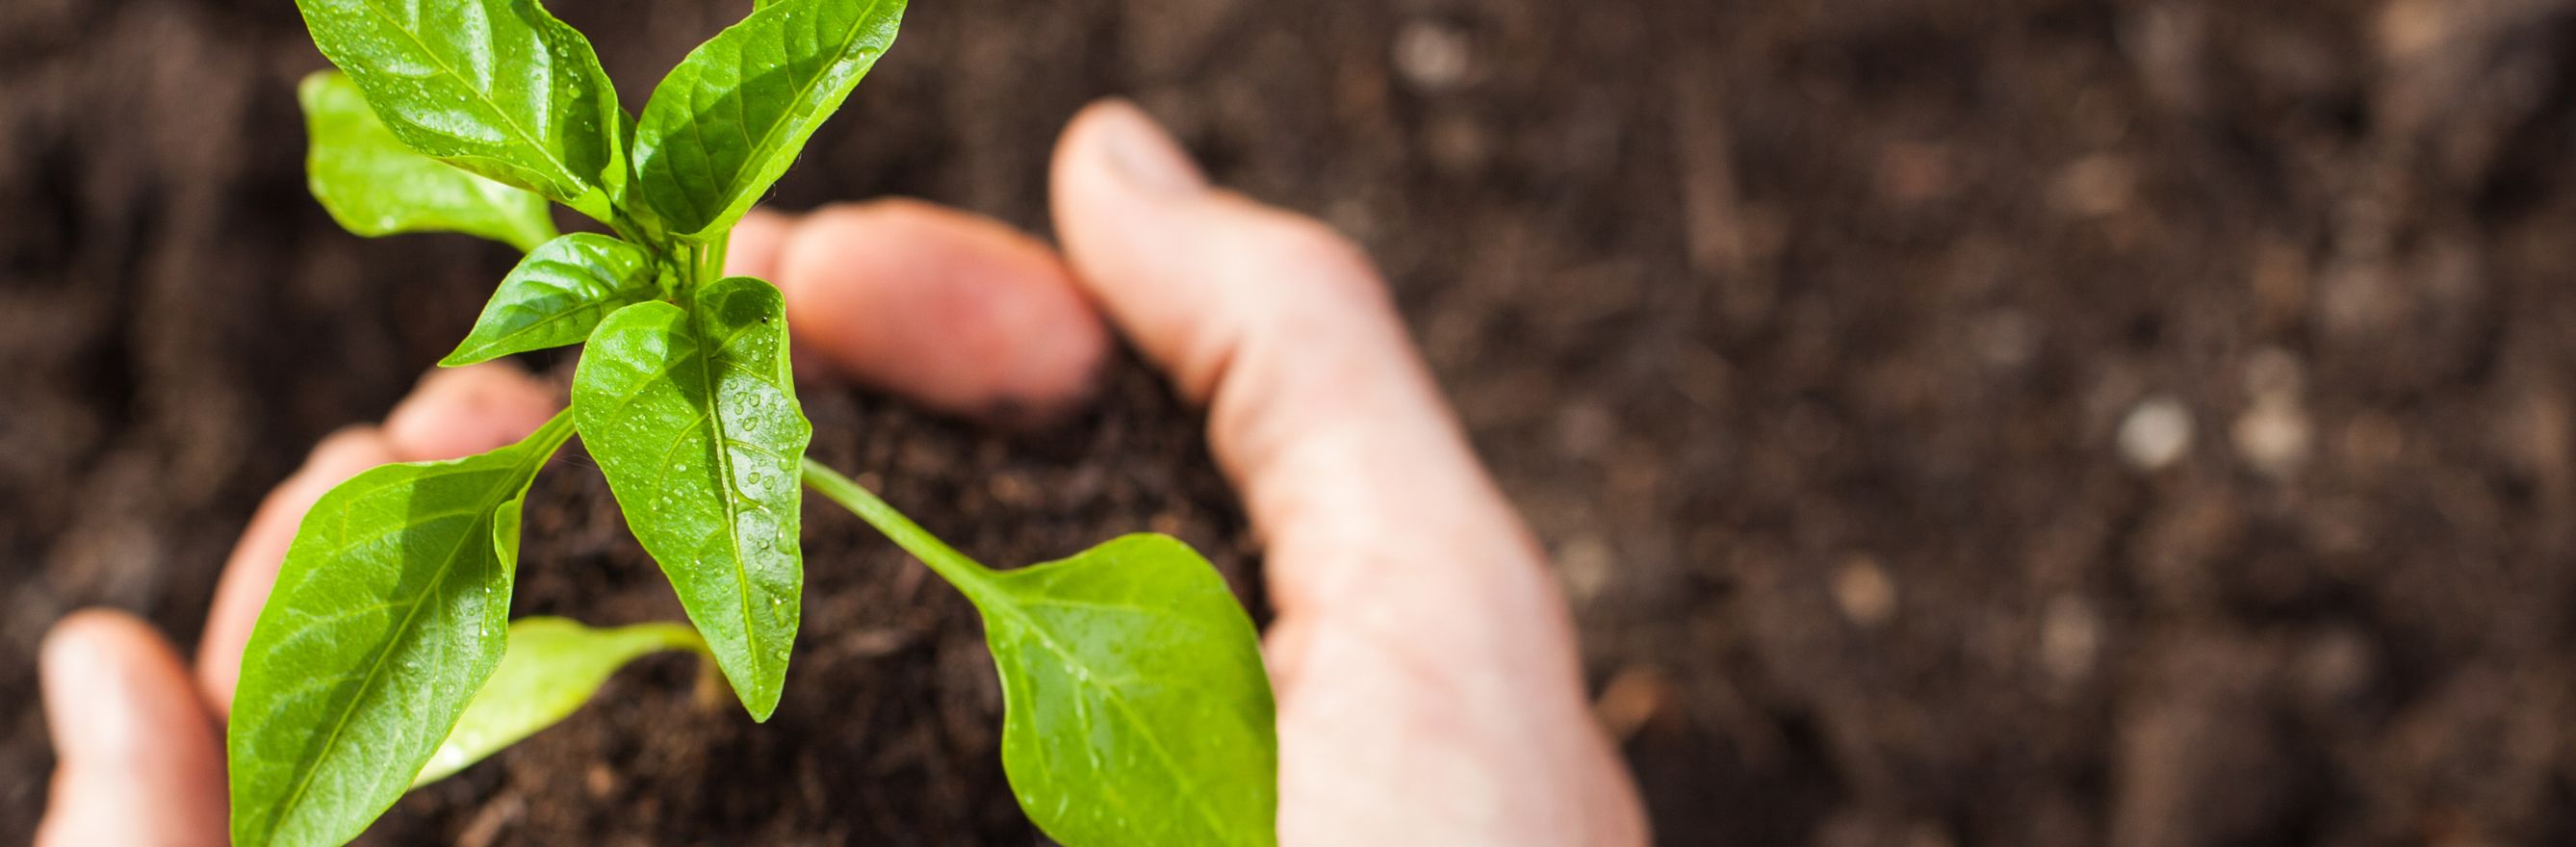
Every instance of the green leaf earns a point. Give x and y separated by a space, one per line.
557 295
693 418
1137 710
497 87
735 113
553 666
1136 706
387 616
373 185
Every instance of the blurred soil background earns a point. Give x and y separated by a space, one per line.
1957 422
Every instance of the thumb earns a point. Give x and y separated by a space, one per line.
1420 648
138 757
1318 408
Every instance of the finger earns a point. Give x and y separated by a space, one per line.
463 411
252 569
1318 406
454 412
958 312
138 759
752 250
1394 561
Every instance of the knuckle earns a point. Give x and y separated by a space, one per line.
1336 267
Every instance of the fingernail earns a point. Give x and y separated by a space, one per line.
1146 156
83 705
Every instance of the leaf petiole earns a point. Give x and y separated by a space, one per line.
628 228
1129 676
710 256
968 575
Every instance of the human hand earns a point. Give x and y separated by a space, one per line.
137 736
1427 684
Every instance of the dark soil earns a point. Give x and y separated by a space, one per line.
1806 334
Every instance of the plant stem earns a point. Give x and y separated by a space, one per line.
628 228
712 257
969 577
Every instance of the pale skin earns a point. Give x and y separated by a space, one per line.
1423 659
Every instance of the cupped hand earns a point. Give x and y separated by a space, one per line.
1428 688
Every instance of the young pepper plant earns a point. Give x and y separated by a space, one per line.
1136 709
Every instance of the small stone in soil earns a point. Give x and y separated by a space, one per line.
2156 433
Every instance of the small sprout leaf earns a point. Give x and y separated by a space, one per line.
373 185
557 295
694 421
387 616
1136 709
734 114
553 666
497 87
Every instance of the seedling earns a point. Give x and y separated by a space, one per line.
1136 710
